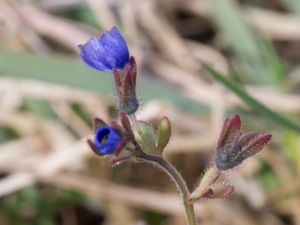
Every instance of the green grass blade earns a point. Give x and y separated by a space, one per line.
72 72
273 63
251 102
251 59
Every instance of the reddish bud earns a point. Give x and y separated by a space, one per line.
126 88
216 190
204 189
234 147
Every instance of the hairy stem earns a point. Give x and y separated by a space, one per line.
177 178
172 172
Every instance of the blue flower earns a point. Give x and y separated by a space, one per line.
107 139
106 52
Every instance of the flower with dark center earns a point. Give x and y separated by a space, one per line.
107 139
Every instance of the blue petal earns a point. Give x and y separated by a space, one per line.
106 52
116 47
90 53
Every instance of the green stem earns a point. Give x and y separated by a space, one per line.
172 172
177 178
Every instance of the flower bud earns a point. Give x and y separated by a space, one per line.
221 190
125 86
145 136
204 187
209 187
164 133
234 146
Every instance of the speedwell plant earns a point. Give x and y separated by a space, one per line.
135 140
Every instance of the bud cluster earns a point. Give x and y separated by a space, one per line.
210 187
109 52
122 142
232 149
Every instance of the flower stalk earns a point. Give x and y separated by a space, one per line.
178 180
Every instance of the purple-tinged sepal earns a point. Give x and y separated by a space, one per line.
252 143
125 85
107 52
93 147
114 124
126 125
97 122
230 132
234 147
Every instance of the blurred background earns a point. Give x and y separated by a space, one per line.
48 98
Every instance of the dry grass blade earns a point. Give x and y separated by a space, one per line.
106 19
276 25
43 127
63 31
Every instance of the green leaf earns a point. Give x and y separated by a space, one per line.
275 117
273 63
